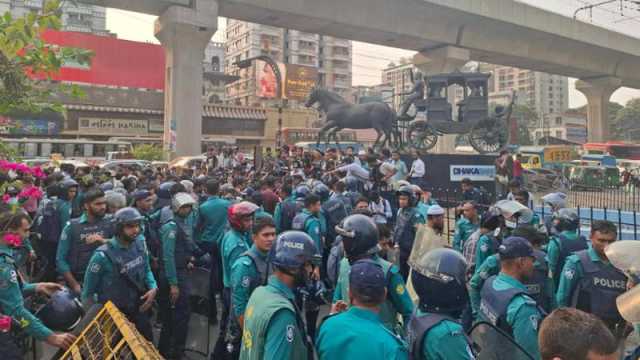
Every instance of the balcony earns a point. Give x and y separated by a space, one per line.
339 55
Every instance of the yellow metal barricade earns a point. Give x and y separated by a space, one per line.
111 336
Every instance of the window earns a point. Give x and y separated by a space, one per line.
559 133
558 120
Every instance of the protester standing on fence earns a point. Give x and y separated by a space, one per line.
417 172
589 282
504 171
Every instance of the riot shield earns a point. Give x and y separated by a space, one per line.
199 338
509 208
625 255
492 343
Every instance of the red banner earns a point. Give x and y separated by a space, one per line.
115 62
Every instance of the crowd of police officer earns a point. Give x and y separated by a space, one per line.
280 242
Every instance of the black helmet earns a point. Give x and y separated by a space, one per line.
126 216
568 219
442 272
292 250
407 190
359 236
62 312
322 191
302 191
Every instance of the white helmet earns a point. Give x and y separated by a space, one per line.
181 199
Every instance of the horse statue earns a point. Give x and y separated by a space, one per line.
342 115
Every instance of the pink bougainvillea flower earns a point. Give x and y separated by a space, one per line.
5 323
13 239
37 172
23 168
6 198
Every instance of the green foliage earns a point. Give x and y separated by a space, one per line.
23 51
7 152
526 118
147 152
627 121
613 109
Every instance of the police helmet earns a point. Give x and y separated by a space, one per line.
164 191
302 191
69 183
556 200
322 191
107 186
238 211
126 216
62 312
407 190
568 219
292 250
440 271
359 236
181 199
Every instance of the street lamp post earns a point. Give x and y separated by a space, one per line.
246 63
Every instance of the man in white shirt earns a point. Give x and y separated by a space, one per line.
355 170
416 174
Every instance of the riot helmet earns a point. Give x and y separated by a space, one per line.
322 191
181 199
556 200
567 219
62 312
359 236
407 190
164 191
442 272
65 185
301 192
126 216
238 211
107 186
292 250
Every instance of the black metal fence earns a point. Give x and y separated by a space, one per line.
626 198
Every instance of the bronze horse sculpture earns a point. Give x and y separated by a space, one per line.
342 115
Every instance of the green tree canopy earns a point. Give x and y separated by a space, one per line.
147 152
627 121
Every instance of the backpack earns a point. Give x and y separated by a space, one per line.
47 222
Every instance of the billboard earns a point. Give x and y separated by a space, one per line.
472 172
113 126
9 126
115 62
297 80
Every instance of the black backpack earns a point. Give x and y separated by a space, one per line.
289 210
47 222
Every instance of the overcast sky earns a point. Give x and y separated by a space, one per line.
369 60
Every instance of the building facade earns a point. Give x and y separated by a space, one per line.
565 126
332 57
75 17
398 77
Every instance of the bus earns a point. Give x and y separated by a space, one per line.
69 148
291 136
618 150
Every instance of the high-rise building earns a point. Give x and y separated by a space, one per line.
544 93
332 57
75 17
399 78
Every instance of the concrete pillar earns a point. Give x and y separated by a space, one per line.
184 33
443 60
598 92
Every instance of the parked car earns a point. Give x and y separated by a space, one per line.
135 165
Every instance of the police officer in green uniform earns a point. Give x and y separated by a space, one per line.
285 206
465 226
236 241
81 237
360 241
15 228
505 301
308 220
251 270
404 232
564 242
488 242
359 333
540 285
119 271
435 332
589 282
66 199
178 250
273 325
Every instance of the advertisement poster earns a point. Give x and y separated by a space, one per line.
9 126
299 81
113 126
472 172
266 80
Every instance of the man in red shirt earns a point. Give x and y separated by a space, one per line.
517 168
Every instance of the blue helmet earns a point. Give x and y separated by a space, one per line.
301 192
292 250
106 186
322 191
127 216
359 236
164 191
568 219
440 271
62 312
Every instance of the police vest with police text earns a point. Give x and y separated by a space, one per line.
494 304
598 289
81 249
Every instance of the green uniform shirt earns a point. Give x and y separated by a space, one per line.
571 275
491 267
313 228
233 244
522 315
271 330
445 341
100 275
64 245
212 220
464 229
484 249
553 254
11 300
358 334
277 217
397 294
168 238
64 208
243 275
